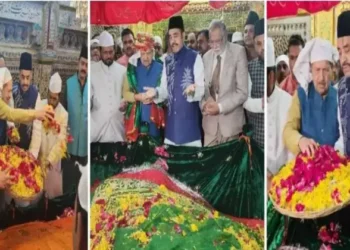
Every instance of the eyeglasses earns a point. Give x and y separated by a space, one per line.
217 42
282 66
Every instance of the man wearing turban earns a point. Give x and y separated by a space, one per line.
142 114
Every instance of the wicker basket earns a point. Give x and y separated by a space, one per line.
308 214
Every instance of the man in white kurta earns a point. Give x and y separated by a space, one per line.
278 103
106 121
51 141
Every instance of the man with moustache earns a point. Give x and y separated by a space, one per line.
282 64
295 45
26 96
182 85
128 40
226 75
343 44
143 71
255 103
158 47
203 42
313 115
51 141
249 35
95 50
77 107
192 41
107 121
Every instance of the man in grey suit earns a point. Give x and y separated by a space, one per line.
226 87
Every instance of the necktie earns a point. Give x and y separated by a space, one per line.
215 82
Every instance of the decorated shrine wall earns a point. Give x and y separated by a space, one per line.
47 30
322 24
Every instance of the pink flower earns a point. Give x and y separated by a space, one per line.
177 228
116 156
336 196
171 201
122 158
161 152
146 207
98 227
299 207
330 235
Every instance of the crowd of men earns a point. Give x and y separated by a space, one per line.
21 103
308 96
202 93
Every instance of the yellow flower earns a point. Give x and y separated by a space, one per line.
216 214
194 228
183 233
140 219
163 188
140 236
179 219
103 244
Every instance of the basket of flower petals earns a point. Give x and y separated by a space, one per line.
312 187
25 172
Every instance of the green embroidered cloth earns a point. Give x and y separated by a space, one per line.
228 176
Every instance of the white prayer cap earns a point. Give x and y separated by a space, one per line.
83 187
315 50
55 83
157 39
94 43
106 39
5 76
270 53
237 37
282 58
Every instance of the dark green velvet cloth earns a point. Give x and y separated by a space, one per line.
227 176
282 230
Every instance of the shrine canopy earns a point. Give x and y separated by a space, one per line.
118 13
281 9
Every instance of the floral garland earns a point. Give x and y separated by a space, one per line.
142 218
52 125
25 172
313 184
13 135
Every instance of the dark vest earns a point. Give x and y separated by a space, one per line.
319 116
183 123
257 120
25 100
344 109
148 78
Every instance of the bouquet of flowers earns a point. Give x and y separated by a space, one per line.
312 187
13 135
25 172
51 125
